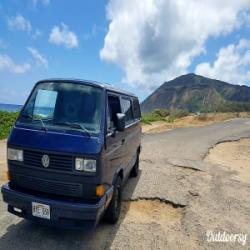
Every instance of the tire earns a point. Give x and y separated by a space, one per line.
114 209
135 170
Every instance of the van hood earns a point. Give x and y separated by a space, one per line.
55 140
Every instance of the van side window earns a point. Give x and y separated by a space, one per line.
113 109
127 110
136 109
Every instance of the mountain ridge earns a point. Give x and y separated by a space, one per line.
197 93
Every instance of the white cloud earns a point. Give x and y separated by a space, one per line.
63 36
43 2
155 40
40 59
38 33
19 23
7 64
231 65
246 18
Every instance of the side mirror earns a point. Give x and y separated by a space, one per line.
120 121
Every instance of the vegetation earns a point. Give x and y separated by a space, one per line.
173 116
164 115
7 120
156 115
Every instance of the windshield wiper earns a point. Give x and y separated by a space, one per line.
74 125
36 119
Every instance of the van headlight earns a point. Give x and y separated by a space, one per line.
86 165
15 154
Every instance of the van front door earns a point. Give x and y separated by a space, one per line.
115 140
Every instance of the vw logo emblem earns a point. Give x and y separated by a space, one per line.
45 161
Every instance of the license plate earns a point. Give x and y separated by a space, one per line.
40 210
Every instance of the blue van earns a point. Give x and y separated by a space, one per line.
70 151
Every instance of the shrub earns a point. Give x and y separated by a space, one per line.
148 118
164 115
7 120
171 118
156 115
161 112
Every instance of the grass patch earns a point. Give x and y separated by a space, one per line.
163 115
7 120
156 115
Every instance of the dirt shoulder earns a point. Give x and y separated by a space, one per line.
3 161
191 120
233 155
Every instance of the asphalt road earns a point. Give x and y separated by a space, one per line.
175 200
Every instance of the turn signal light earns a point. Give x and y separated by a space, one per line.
100 190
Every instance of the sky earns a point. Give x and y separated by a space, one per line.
135 45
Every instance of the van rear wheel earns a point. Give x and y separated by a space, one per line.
135 170
114 209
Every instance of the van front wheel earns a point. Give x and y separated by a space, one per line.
114 209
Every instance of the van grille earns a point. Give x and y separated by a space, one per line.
57 162
49 186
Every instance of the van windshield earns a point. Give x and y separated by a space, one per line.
64 105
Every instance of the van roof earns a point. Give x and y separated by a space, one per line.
103 85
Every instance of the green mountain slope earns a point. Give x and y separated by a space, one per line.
198 93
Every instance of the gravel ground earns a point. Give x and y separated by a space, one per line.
179 195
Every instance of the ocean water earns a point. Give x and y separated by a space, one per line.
10 107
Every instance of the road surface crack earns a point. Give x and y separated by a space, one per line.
162 200
185 167
220 142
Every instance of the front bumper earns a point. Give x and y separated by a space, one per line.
62 213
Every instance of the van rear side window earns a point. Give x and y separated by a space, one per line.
127 110
136 109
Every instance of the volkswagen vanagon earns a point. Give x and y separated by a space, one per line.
70 151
